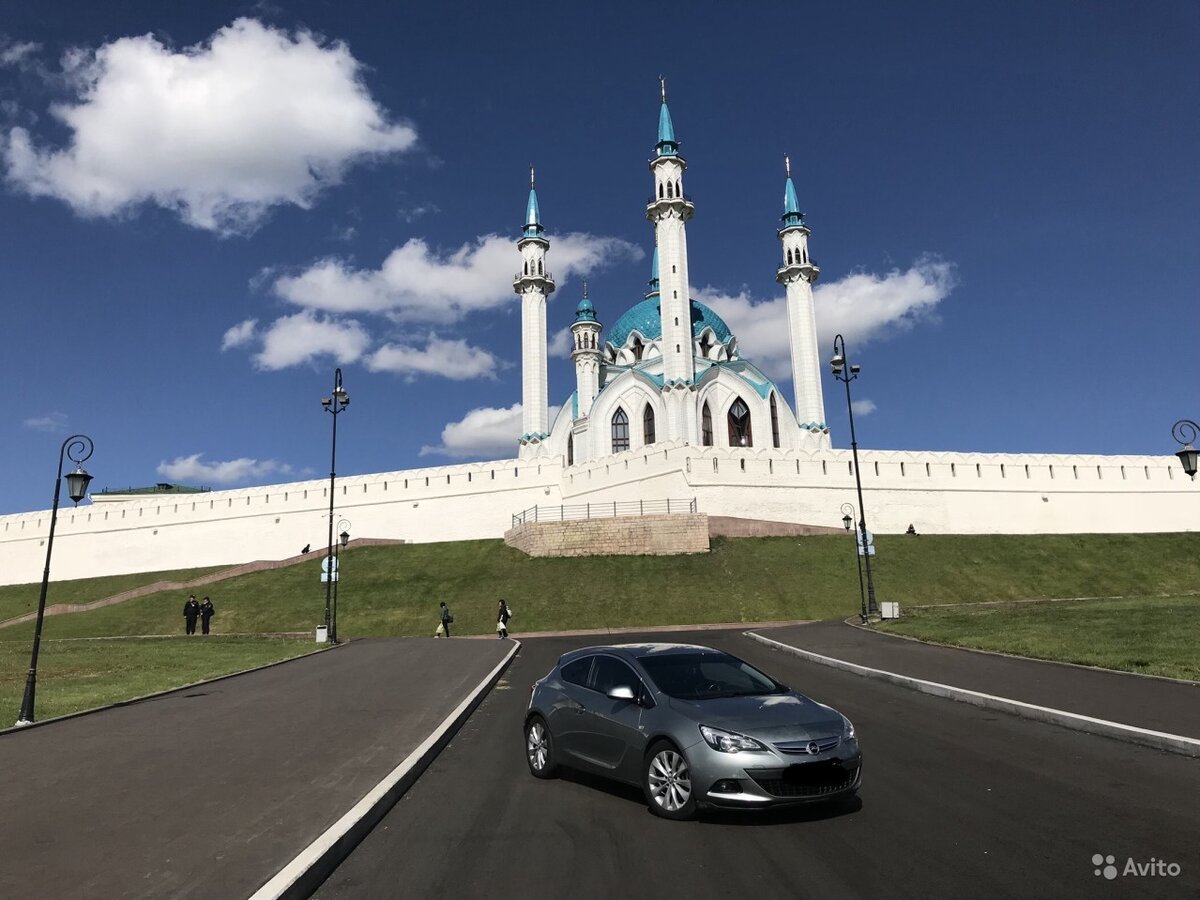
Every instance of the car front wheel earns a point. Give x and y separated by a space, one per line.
667 783
539 748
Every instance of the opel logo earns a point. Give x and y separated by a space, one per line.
812 748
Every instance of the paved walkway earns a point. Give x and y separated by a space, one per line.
1153 703
210 791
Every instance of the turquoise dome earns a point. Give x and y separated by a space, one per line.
645 318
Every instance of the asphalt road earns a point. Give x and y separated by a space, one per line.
956 802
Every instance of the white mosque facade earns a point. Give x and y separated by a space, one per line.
664 406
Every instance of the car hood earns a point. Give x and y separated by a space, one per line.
775 717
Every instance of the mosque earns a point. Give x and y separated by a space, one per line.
664 407
668 369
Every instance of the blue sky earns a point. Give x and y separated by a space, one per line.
206 207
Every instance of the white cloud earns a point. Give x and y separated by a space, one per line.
233 471
456 360
861 306
300 338
15 53
485 432
416 283
561 344
240 335
863 407
54 421
219 132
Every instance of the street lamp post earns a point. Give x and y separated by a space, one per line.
846 373
1185 431
343 540
334 404
78 447
848 521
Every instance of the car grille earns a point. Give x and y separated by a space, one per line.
800 748
822 783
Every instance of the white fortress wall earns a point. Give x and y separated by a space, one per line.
955 493
172 531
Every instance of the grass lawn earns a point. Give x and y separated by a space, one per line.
16 599
1151 635
76 675
394 590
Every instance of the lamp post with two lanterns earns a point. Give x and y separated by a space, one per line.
846 373
78 447
333 404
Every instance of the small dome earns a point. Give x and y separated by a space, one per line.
645 318
585 312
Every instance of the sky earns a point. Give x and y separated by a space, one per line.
206 208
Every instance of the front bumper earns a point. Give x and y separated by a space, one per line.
766 779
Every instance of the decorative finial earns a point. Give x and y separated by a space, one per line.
662 88
787 165
531 176
585 290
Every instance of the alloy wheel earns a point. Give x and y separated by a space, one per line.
537 746
669 780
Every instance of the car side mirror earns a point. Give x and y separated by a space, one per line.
621 692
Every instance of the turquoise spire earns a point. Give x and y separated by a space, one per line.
791 206
667 145
585 312
653 282
533 222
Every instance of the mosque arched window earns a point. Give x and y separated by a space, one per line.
739 425
638 349
648 424
774 422
670 189
620 431
570 449
706 432
660 190
526 268
540 267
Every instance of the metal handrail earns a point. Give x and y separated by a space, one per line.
607 510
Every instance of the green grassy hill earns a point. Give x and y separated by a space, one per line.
393 590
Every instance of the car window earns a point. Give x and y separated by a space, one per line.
703 676
577 672
610 672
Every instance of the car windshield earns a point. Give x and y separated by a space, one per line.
705 676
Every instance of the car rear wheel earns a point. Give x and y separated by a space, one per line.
667 782
539 748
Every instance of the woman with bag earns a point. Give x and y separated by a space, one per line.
446 618
503 614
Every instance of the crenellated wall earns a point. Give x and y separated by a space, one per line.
962 493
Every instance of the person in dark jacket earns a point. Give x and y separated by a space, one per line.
446 618
191 609
206 614
503 614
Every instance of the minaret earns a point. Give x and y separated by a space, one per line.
669 210
797 274
585 353
534 284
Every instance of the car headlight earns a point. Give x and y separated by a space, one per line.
847 729
728 741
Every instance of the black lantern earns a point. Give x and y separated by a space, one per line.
344 537
77 483
1184 431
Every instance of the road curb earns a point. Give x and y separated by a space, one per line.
304 874
1159 740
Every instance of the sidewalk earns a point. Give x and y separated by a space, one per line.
1156 704
210 791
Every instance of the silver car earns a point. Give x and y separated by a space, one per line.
693 726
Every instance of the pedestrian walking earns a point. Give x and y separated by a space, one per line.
503 614
206 614
191 609
444 611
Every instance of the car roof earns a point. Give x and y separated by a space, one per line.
636 651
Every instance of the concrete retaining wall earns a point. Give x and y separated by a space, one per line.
663 535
